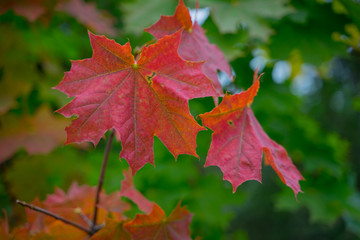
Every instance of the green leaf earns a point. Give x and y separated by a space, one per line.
253 14
231 44
140 14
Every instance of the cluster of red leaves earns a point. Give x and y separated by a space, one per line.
142 97
149 96
194 45
77 206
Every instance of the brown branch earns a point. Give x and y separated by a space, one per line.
53 215
89 222
101 179
83 217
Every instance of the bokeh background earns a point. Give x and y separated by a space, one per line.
309 102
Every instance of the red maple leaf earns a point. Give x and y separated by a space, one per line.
194 46
30 9
89 15
17 233
156 226
85 12
239 141
38 134
128 190
112 230
76 205
81 199
139 99
4 227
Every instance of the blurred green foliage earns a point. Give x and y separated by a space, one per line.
311 107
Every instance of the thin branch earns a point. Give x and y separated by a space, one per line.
98 227
83 217
101 179
53 215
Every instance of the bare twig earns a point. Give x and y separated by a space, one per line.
83 217
98 227
92 224
43 211
101 180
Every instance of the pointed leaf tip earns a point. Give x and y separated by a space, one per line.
157 226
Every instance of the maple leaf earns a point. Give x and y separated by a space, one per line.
4 227
58 230
20 233
38 134
157 226
238 142
139 99
114 205
35 221
30 9
76 205
228 15
194 46
112 230
88 14
140 14
128 190
78 199
85 12
33 227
